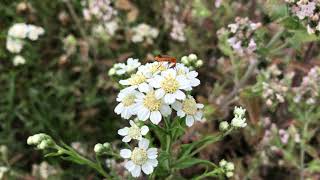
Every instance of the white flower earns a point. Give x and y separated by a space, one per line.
141 158
189 109
148 106
34 32
132 64
239 120
18 30
14 45
144 32
127 98
18 60
170 85
133 132
137 80
191 76
111 27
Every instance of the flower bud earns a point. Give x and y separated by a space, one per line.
112 72
229 166
199 63
185 60
224 126
229 174
192 57
222 163
98 148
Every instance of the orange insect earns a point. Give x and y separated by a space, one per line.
164 58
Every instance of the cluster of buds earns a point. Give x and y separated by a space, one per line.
41 141
227 167
309 89
308 11
239 121
241 36
100 149
144 33
16 34
275 89
191 61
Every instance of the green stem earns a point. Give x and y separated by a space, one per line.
302 148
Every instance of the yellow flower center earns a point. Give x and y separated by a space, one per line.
151 102
136 79
181 72
157 67
128 100
134 132
139 156
170 84
189 106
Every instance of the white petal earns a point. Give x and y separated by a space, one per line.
123 131
129 165
125 153
177 106
124 82
180 95
180 113
144 114
189 121
144 130
153 162
200 106
194 82
192 74
169 98
159 93
198 116
155 117
147 168
126 139
144 87
136 171
132 123
165 110
144 143
152 153
119 108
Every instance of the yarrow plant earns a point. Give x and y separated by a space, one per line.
144 33
157 100
308 11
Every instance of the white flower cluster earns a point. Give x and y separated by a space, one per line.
227 167
144 33
103 11
152 93
308 11
239 121
177 32
127 68
15 37
309 89
241 36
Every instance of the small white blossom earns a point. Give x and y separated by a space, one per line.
19 30
34 32
170 85
148 106
239 120
14 45
127 98
144 32
189 109
141 158
133 132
